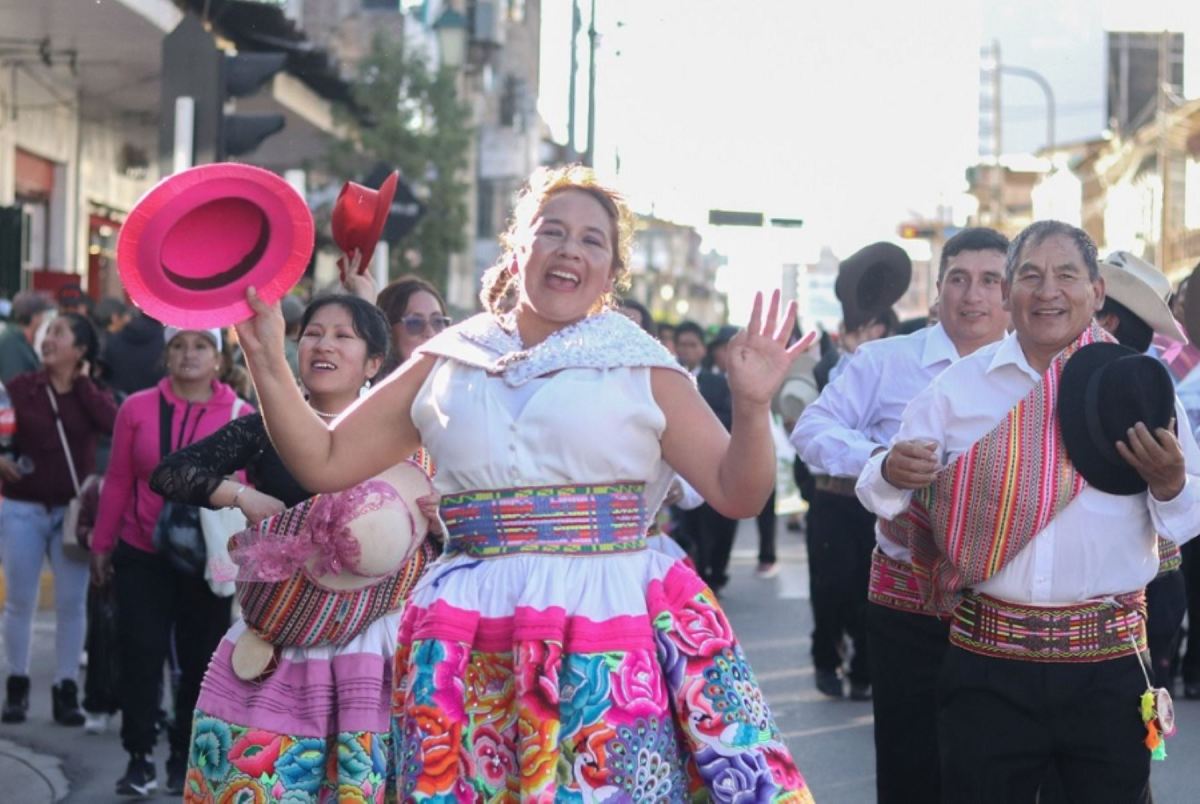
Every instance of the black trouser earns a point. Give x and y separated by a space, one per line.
1003 724
766 532
907 651
1191 578
1166 602
153 597
840 537
714 536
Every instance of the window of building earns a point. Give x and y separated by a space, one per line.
516 10
485 209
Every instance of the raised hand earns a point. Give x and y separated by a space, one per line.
261 336
759 357
357 281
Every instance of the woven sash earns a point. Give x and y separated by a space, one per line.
566 520
990 502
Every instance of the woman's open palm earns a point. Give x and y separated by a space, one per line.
758 356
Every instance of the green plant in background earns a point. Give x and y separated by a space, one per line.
409 116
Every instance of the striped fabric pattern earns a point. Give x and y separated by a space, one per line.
1092 631
572 520
1169 556
299 613
990 502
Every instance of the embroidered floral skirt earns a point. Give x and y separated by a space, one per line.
316 729
617 678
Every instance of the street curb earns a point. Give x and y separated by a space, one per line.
28 777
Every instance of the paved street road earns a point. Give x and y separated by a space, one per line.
832 740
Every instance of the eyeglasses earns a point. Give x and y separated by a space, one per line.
416 324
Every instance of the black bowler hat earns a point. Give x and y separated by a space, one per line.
1107 388
870 281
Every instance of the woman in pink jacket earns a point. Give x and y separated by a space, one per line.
153 597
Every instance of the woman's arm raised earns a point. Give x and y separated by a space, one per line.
735 471
374 433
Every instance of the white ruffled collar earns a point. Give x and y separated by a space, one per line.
601 341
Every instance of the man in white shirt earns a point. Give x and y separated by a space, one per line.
855 417
1044 665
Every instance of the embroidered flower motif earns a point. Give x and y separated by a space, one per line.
739 779
701 629
637 688
302 765
495 757
585 691
195 788
210 748
437 744
537 666
783 769
255 752
491 690
353 762
448 686
538 741
242 790
671 659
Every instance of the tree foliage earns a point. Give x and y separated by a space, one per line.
410 117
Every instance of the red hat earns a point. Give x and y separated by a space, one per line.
359 215
194 243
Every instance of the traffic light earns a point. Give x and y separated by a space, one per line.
918 231
728 217
198 82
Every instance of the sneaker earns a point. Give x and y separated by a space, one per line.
64 699
138 779
860 691
766 571
96 722
16 700
176 773
829 683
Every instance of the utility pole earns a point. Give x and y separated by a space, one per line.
590 155
575 23
1163 159
997 131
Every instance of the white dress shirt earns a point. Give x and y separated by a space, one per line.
1099 544
860 410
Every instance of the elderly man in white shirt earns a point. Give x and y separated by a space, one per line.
855 417
1045 664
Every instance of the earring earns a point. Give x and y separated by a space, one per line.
366 389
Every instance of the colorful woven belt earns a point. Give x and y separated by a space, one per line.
571 520
1169 557
893 585
1092 631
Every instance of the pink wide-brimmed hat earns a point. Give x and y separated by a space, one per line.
193 244
359 215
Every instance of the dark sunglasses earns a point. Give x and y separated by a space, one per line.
415 324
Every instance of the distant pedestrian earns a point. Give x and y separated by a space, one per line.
155 598
415 311
17 356
133 355
36 492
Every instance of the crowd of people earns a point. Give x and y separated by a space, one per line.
482 561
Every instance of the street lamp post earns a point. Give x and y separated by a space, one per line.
1040 80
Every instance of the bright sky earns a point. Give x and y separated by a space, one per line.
851 115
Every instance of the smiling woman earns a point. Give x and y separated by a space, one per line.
343 343
555 416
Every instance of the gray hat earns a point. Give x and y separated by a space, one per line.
28 303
